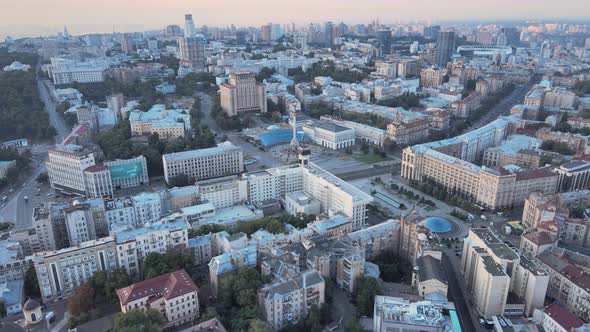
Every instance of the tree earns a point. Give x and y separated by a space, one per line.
354 326
265 73
156 264
181 180
258 325
82 300
314 318
43 177
364 295
138 321
31 284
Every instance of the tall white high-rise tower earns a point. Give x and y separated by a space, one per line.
189 26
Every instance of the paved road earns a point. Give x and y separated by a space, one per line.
54 118
455 295
264 158
504 106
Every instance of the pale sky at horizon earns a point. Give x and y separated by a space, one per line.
25 18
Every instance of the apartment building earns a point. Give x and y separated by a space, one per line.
61 272
79 224
168 124
223 192
65 167
41 236
374 240
569 279
288 300
404 132
556 318
133 245
229 262
492 270
429 277
148 207
179 197
432 77
225 159
334 227
120 213
242 94
174 295
408 235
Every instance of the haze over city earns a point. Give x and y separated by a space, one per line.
285 166
28 18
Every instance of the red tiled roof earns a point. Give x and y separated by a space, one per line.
169 286
540 238
563 317
95 168
528 174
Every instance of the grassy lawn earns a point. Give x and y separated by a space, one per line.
369 158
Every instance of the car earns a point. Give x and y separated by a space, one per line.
50 317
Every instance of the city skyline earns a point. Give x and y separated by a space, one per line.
108 16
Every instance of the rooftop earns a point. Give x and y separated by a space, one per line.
430 268
169 286
421 313
563 317
132 234
225 147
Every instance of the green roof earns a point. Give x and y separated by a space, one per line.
126 171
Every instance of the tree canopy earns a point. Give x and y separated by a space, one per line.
22 112
138 321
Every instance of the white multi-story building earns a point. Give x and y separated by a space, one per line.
333 194
174 295
97 180
223 192
68 71
148 207
79 224
225 159
492 270
134 244
363 132
120 213
61 272
66 166
332 136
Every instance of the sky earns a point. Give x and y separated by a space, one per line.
26 18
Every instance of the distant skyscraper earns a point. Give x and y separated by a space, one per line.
266 32
276 32
189 26
126 44
329 34
431 31
445 46
512 36
192 53
384 37
173 31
